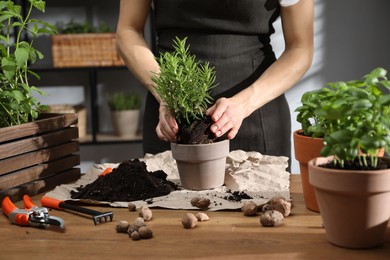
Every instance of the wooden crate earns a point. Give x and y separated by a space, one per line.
85 50
81 112
37 156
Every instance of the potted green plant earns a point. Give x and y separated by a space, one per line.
352 182
29 139
184 85
308 141
125 112
18 105
73 27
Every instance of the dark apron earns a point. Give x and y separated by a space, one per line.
239 59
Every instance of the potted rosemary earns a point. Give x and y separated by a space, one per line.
30 139
184 85
125 111
352 182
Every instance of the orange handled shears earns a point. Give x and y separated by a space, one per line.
31 215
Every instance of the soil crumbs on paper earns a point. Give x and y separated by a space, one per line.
130 181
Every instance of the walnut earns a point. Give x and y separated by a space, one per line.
280 204
131 207
202 203
139 222
145 232
138 230
265 207
135 235
271 218
249 208
122 226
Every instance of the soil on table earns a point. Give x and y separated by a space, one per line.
130 181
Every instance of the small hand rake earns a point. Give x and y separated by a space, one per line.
97 216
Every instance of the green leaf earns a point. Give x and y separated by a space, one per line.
17 95
5 16
16 103
184 83
38 4
21 55
3 50
8 65
385 100
361 104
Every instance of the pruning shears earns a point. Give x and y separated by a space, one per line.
31 215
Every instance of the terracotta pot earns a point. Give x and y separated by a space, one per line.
201 166
354 205
125 122
307 148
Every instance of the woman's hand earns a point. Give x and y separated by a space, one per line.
167 127
297 21
227 115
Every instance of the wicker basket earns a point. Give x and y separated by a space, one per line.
85 50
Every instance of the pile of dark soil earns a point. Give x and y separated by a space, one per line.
130 181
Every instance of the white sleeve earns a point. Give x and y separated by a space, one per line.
285 3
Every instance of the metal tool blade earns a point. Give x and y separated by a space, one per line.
56 221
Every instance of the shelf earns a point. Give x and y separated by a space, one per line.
94 136
109 138
47 68
92 78
115 138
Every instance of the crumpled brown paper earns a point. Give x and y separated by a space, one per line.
259 176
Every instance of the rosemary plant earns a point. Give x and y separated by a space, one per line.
184 83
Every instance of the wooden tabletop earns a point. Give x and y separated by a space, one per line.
227 235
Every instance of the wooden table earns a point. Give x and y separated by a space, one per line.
227 235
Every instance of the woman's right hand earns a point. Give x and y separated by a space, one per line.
167 127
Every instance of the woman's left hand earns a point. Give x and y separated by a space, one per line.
227 116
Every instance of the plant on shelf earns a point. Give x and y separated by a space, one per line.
352 182
124 101
184 85
17 104
73 27
125 111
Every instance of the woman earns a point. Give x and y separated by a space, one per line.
233 36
